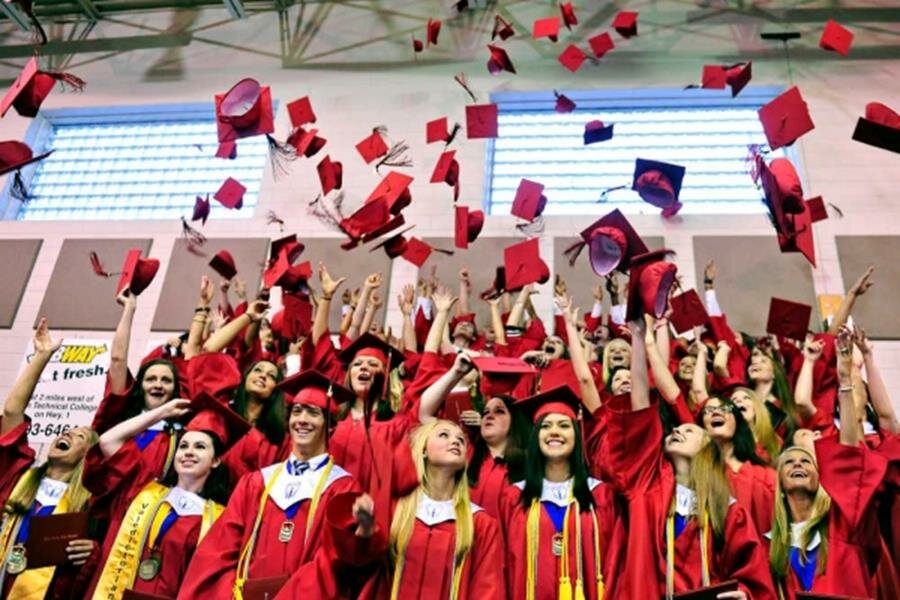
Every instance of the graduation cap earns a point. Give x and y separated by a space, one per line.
216 418
432 30
437 131
625 23
567 11
395 245
368 344
499 61
612 243
781 184
223 264
547 27
563 103
785 119
394 188
601 44
687 311
231 194
595 131
312 388
523 264
572 58
791 215
788 319
369 221
14 155
331 174
649 281
502 28
282 272
467 226
501 374
481 121
530 200
294 247
658 183
836 38
447 171
417 251
201 209
227 150
137 273
561 400
301 112
244 111
717 77
372 147
31 88
879 128
214 374
306 142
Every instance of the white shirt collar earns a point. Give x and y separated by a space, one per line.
315 463
158 426
185 503
431 512
288 489
50 491
797 536
557 492
685 501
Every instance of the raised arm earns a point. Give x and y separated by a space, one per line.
372 307
201 316
23 388
114 438
465 290
590 396
497 321
371 283
846 306
850 430
662 377
803 389
350 299
720 360
328 287
640 383
434 395
878 392
518 309
443 304
223 336
118 356
698 382
406 301
663 341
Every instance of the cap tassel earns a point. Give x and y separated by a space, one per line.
533 229
395 157
68 80
18 190
319 208
280 153
97 266
462 80
574 251
193 236
272 218
604 195
452 135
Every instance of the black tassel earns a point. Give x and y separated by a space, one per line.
396 157
453 133
18 189
280 154
272 218
193 236
574 251
604 195
329 211
462 80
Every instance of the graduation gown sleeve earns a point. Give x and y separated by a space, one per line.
16 456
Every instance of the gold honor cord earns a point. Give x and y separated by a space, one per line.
670 551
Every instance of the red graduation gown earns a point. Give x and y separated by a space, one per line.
492 482
252 452
212 572
851 476
639 471
16 456
753 486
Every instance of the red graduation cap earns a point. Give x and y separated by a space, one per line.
657 183
295 275
836 38
467 226
548 27
563 103
437 131
649 281
499 61
601 44
523 264
596 131
227 150
372 147
368 344
214 374
306 142
561 400
218 419
782 186
417 251
446 170
282 271
612 243
625 23
567 11
785 119
879 128
713 77
738 76
783 195
395 245
137 273
481 121
394 188
244 111
530 200
312 388
223 264
31 88
572 58
501 374
687 311
433 29
503 28
231 193
301 112
417 45
201 209
294 247
366 219
14 155
331 174
788 319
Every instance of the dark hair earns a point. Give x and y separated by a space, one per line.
383 410
217 487
612 375
535 463
136 403
743 441
271 423
781 389
516 441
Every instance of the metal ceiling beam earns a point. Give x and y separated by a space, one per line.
797 15
235 8
120 44
15 14
89 9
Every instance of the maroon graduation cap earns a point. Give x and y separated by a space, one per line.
785 119
223 264
650 279
529 201
244 111
788 319
546 28
572 58
625 23
524 265
601 44
481 121
137 273
31 88
467 226
836 38
880 127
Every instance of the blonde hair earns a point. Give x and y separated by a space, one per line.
606 367
709 482
761 425
405 513
779 549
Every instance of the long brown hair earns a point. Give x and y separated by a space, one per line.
709 482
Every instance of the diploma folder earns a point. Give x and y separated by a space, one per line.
709 593
263 588
49 535
817 596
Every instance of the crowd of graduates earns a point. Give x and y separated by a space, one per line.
599 456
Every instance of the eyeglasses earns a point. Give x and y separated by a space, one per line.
721 409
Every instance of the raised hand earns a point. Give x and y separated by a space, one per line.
174 409
844 345
812 349
207 291
364 514
559 286
373 281
257 310
406 299
443 299
43 343
862 341
126 298
464 277
709 273
597 291
470 418
864 282
569 312
328 284
375 300
240 288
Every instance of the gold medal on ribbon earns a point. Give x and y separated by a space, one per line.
17 562
149 568
286 532
557 544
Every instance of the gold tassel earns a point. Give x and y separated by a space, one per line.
565 588
579 590
601 589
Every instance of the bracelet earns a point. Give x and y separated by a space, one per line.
845 388
201 309
707 281
324 297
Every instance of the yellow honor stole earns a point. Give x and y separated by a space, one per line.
30 584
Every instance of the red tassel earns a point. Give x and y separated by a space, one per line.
462 80
97 267
69 80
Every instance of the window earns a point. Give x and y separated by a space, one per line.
136 162
707 131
